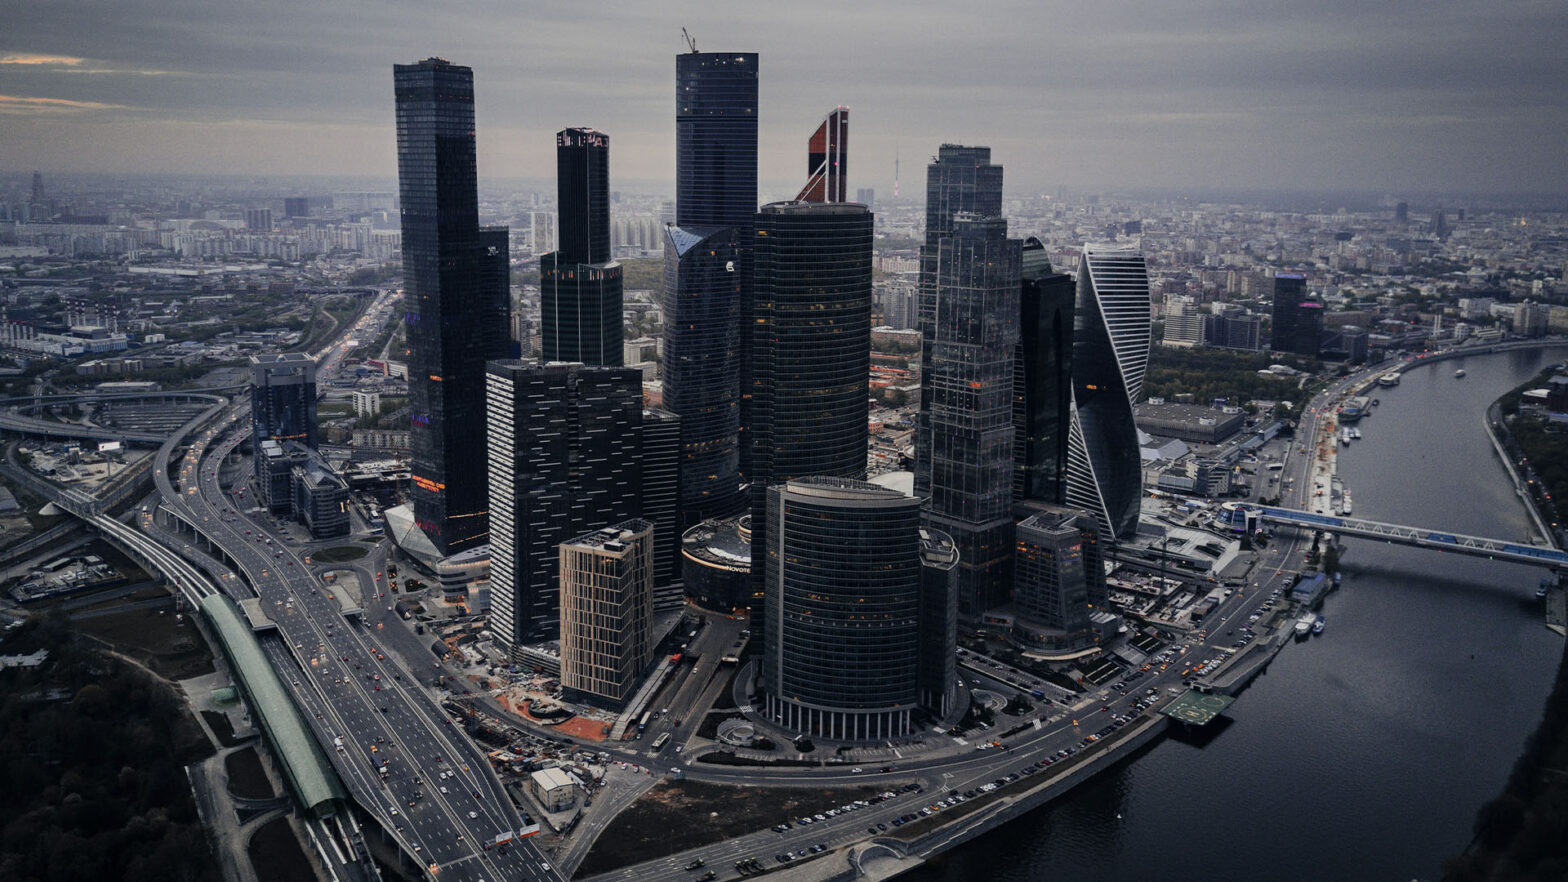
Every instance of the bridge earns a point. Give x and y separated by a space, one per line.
1420 537
14 418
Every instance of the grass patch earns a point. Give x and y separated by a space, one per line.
247 779
338 554
276 854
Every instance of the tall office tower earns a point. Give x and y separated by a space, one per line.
564 452
283 398
1402 212
937 663
660 466
258 219
1110 353
827 159
716 139
458 303
842 647
867 196
811 352
707 275
969 315
959 179
1060 584
607 612
579 286
1042 378
296 206
1297 320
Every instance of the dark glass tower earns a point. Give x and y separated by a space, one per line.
707 275
564 445
715 139
717 189
702 302
1297 321
456 279
1110 353
811 353
580 288
843 577
283 398
969 315
660 462
1042 379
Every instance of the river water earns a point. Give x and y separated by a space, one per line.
1363 753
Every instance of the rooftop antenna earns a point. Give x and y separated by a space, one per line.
690 41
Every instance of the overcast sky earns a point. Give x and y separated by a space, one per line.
1384 96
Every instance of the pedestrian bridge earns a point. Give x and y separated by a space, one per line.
1420 537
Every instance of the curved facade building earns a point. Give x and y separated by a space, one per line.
811 344
843 571
716 563
1111 335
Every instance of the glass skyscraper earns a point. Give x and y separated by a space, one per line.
969 320
564 445
1110 353
1297 325
580 288
1042 379
843 573
707 274
811 352
456 277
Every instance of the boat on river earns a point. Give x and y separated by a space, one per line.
1318 624
1459 373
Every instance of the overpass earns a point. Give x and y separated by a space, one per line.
15 419
1420 537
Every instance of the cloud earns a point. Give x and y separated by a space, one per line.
26 104
19 58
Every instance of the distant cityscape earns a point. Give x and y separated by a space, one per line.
953 499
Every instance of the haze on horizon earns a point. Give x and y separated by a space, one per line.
1443 95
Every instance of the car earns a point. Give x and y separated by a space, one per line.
856 770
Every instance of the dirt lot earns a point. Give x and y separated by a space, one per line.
678 815
276 854
174 649
246 778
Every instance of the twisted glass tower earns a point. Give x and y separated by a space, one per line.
1110 353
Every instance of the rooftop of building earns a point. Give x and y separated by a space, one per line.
614 537
724 543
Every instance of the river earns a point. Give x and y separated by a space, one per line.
1363 753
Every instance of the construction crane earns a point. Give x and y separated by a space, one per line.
690 41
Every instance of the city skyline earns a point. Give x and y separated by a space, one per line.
1143 95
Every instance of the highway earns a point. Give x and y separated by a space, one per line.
439 797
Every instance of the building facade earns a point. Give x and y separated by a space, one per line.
1297 320
456 277
660 470
842 647
580 288
1111 335
564 455
827 159
1042 378
283 398
607 612
1060 581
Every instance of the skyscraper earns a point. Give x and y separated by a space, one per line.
660 467
715 139
1060 582
707 274
843 578
827 159
607 612
1042 378
1110 353
456 279
579 286
811 352
1297 320
564 456
283 398
969 317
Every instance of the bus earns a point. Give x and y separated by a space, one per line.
658 743
642 724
